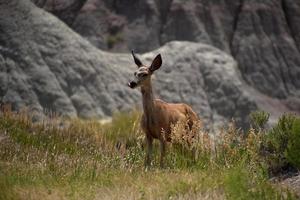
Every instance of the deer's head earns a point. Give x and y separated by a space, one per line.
143 73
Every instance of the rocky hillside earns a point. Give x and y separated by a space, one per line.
263 36
44 64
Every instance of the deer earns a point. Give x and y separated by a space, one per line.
158 116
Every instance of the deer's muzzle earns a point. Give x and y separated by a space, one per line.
132 84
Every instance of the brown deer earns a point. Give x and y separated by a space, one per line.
158 116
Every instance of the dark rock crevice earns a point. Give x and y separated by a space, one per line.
164 10
235 24
289 23
5 78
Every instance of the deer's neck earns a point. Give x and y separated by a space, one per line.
148 102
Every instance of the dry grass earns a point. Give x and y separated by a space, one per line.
79 159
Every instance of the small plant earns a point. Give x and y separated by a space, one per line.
112 40
185 143
230 145
259 119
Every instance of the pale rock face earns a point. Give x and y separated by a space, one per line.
44 64
263 36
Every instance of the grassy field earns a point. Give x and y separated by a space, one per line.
80 159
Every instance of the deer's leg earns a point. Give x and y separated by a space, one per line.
162 152
149 142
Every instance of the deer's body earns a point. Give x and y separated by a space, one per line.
168 114
158 116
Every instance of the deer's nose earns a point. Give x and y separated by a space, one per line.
132 84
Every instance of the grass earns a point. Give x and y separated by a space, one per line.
84 159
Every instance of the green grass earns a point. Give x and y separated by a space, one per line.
84 159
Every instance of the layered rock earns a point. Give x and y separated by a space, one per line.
265 47
263 36
46 65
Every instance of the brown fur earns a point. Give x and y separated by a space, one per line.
159 116
165 115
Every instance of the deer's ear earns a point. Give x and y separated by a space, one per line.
136 60
156 63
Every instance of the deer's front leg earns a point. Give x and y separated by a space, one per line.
162 152
149 142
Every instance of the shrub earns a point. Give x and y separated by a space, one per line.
112 40
292 151
276 143
259 119
187 145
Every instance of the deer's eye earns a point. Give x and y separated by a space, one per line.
134 73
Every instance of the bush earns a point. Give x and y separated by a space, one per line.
292 151
112 40
276 143
259 119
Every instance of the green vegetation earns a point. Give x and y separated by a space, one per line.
113 39
280 146
85 159
292 151
259 119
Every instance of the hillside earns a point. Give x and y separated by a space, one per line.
262 36
45 65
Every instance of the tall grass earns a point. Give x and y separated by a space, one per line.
84 159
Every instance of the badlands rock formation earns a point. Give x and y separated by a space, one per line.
263 36
44 64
